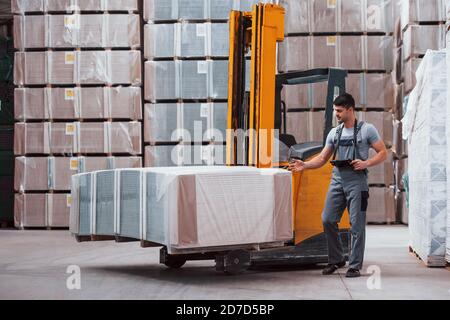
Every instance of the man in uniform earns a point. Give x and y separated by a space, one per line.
350 141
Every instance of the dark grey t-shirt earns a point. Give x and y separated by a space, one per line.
367 136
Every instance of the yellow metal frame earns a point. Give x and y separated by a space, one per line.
309 187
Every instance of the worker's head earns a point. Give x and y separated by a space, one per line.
344 107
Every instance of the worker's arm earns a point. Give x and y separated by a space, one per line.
381 156
316 162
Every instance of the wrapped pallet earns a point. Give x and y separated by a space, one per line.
293 53
296 19
351 52
28 6
183 208
77 67
382 121
415 11
425 127
417 39
410 73
70 31
306 126
383 173
378 52
381 205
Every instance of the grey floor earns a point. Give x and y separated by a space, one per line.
33 265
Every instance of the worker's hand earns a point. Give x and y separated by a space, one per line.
359 164
296 166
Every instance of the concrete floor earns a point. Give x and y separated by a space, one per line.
33 265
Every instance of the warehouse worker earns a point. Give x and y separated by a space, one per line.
348 186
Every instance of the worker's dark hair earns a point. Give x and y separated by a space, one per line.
345 100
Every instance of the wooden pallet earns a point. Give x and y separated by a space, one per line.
426 264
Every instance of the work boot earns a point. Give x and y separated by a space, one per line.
331 268
352 273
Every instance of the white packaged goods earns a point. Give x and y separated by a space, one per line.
26 6
77 31
185 209
381 205
78 67
78 103
425 127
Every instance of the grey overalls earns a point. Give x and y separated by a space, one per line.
348 188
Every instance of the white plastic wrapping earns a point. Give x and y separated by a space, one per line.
77 67
410 73
417 39
324 16
382 122
424 125
447 132
27 6
183 208
372 52
78 103
186 122
77 137
75 30
186 79
381 206
414 11
297 16
54 173
159 40
294 54
306 126
382 174
161 80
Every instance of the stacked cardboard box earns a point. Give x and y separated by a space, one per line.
447 133
6 125
184 208
78 99
419 27
186 47
425 126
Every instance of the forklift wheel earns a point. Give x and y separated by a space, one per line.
174 263
234 262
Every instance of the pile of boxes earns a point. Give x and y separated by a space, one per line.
6 124
447 131
420 27
78 102
425 126
185 208
186 80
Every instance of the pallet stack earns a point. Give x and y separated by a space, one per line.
425 127
420 27
77 99
186 80
6 122
355 35
447 45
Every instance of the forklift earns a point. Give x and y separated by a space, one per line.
262 114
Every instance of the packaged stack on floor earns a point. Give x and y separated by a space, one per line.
419 27
343 34
78 101
6 126
184 208
422 27
447 41
425 126
186 80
